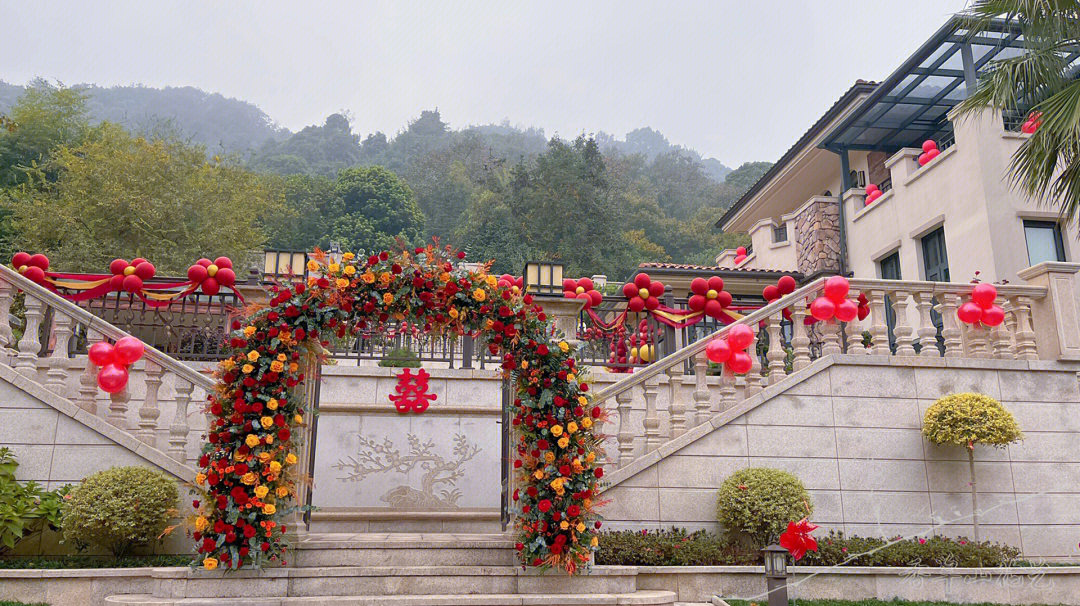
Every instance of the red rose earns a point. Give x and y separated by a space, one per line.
573 511
599 472
519 546
531 491
544 506
564 470
541 444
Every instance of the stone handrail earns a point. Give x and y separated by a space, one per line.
45 358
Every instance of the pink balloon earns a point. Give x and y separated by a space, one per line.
969 313
128 350
930 155
822 309
847 311
923 159
741 250
740 337
836 288
740 362
993 315
101 353
718 351
984 294
112 378
928 145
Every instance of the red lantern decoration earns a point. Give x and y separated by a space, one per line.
643 293
583 289
707 296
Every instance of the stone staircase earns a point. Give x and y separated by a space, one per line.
397 569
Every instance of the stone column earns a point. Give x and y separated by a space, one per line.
817 243
564 314
1055 318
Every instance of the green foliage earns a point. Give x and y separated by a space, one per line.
47 116
10 603
320 150
120 508
379 211
760 501
675 547
400 357
966 419
744 177
89 561
25 509
837 549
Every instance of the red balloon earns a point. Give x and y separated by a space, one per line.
569 294
642 280
586 283
724 297
740 362
39 260
740 336
836 288
930 155
969 313
713 308
870 187
596 297
786 285
699 286
20 259
928 145
822 309
204 262
1029 127
718 351
696 302
770 292
34 274
740 251
101 353
117 282
636 304
847 311
923 159
196 273
652 303
656 289
225 277
127 350
739 259
138 260
984 294
569 284
118 266
132 283
716 283
145 270
223 263
210 286
993 315
584 296
112 378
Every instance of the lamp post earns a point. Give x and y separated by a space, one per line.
544 282
776 574
543 278
284 264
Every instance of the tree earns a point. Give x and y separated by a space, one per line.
744 177
46 116
378 209
1047 165
320 150
967 419
121 196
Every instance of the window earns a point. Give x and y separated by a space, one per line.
935 259
889 267
779 234
1043 241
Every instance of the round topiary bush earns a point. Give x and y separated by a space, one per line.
120 508
760 502
966 419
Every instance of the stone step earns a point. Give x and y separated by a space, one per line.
400 549
639 598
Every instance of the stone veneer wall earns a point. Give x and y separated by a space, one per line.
851 432
818 237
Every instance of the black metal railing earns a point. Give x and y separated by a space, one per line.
1013 119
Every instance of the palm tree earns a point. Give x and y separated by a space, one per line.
1044 79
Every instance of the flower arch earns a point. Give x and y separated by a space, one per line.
247 469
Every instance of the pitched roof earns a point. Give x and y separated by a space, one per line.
711 268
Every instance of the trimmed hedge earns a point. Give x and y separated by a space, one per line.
85 561
120 508
675 547
760 501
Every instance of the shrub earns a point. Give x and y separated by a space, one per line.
400 357
836 549
25 509
675 547
760 502
120 508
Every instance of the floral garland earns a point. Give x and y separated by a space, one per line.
248 476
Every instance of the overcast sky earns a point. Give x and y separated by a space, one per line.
738 80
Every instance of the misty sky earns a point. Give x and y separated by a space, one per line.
738 80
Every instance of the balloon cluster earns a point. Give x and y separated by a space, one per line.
708 296
1034 121
32 267
130 276
731 351
516 284
212 275
834 303
929 152
642 351
583 289
114 361
981 307
643 293
784 286
872 194
740 254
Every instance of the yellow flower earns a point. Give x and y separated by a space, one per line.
589 458
479 294
252 355
556 430
563 345
594 542
290 459
564 524
348 256
200 478
444 277
564 442
282 357
557 483
266 422
385 277
492 281
228 364
210 563
277 366
453 312
249 478
350 270
264 457
367 277
586 422
261 491
239 457
269 509
269 438
539 475
387 298
341 283
583 400
272 404
251 440
549 457
201 523
247 368
580 527
571 427
334 268
571 377
275 467
313 265
298 419
248 331
282 491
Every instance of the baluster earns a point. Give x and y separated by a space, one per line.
776 353
118 407
677 408
29 344
58 362
701 388
853 330
652 419
976 341
149 411
179 429
830 337
879 329
7 340
1026 348
754 378
902 330
1001 336
727 391
927 331
950 331
625 437
800 342
88 389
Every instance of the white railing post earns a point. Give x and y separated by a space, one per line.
88 390
800 342
927 331
677 407
1025 335
118 407
701 388
58 363
902 329
879 328
950 331
7 296
754 378
625 437
30 344
149 411
776 353
180 427
830 337
652 419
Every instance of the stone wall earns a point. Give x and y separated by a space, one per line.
817 228
851 432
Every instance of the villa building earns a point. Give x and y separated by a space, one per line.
943 221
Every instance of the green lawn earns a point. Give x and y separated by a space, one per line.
7 603
854 603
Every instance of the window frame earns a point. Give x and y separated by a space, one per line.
1055 227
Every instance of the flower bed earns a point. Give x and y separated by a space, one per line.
84 561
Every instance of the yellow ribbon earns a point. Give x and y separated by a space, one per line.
71 285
